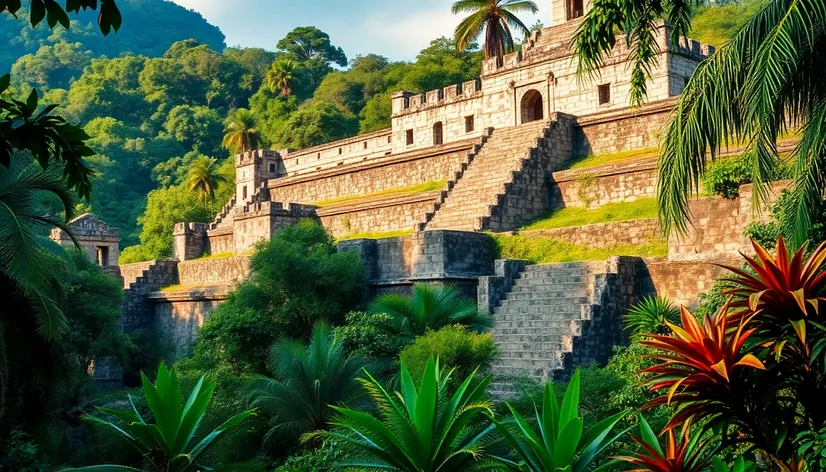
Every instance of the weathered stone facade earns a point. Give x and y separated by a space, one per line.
97 239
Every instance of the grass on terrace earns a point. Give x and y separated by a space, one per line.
539 250
594 160
219 255
386 234
392 192
572 216
183 287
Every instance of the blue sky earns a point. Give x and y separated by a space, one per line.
397 29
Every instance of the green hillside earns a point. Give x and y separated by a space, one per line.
149 28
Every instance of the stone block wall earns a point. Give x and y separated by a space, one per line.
220 271
364 147
622 130
379 216
681 281
177 316
598 186
717 226
458 257
393 172
601 235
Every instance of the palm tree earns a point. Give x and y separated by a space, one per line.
28 259
420 430
282 76
240 133
203 177
429 307
166 443
767 78
497 18
308 379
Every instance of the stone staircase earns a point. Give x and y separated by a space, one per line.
225 215
483 181
505 185
555 317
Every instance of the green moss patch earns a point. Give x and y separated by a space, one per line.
540 250
392 192
623 211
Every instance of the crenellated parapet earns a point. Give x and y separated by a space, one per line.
190 241
408 102
554 43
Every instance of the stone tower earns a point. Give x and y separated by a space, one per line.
252 169
563 11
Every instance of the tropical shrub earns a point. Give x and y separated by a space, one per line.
682 452
455 346
429 307
560 443
755 367
419 430
167 443
367 334
312 460
296 279
651 315
307 380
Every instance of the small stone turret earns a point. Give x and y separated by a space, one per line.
190 241
253 168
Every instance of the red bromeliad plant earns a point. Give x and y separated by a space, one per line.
784 298
682 453
754 371
699 368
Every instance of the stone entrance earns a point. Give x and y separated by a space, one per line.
532 109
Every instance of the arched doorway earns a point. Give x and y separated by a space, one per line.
437 133
532 106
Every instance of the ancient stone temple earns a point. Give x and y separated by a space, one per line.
418 200
98 239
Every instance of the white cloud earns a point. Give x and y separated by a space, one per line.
404 36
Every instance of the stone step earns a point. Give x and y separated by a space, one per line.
545 325
544 301
529 337
547 291
554 328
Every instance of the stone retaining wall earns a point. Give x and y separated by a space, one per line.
227 270
458 257
434 164
681 281
378 216
600 235
179 315
623 130
597 186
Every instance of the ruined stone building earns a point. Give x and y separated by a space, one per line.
486 155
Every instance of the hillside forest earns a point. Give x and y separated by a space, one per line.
156 98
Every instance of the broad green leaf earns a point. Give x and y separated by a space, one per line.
570 403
